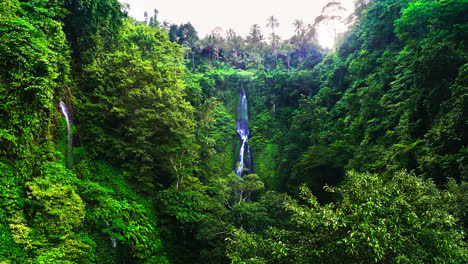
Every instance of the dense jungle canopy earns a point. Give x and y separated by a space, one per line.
125 141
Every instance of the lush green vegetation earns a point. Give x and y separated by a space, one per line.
360 153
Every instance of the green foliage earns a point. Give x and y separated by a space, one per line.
195 215
318 167
392 83
155 145
402 219
255 249
138 108
47 229
91 27
10 202
265 165
389 98
33 66
129 224
42 220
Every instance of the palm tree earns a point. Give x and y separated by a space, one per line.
298 26
286 50
209 45
230 34
146 17
273 23
194 46
255 36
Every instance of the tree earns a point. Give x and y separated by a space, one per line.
298 26
402 219
286 51
153 21
55 214
230 34
273 23
138 109
255 36
234 47
304 38
331 22
146 17
91 26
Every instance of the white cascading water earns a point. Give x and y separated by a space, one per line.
66 113
113 239
114 243
245 164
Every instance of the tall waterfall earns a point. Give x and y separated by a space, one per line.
245 161
66 113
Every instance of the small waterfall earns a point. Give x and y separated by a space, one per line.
243 131
113 239
69 154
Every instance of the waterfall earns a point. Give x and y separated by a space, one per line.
66 113
243 131
113 239
114 245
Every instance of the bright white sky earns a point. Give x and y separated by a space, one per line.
240 15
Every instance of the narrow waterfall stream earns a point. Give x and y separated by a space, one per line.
69 154
245 161
113 239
